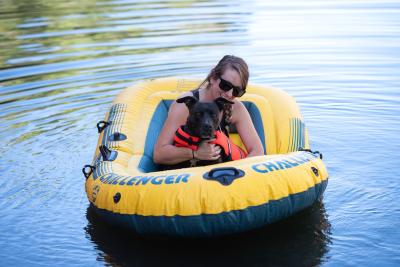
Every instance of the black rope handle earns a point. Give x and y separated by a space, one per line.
101 125
87 173
107 154
312 152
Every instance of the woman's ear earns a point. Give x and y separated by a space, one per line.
213 79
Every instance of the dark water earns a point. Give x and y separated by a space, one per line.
62 63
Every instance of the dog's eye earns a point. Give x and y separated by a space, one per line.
198 114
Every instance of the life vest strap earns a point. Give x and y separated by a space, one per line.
231 151
183 139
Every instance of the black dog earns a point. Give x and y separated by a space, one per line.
202 123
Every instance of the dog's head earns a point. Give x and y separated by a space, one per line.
204 117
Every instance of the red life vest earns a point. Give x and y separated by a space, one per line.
231 151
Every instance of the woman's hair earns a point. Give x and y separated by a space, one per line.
235 63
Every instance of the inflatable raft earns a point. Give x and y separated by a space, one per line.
126 188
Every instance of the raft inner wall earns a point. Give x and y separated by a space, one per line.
157 122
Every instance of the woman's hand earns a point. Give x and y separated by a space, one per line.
207 151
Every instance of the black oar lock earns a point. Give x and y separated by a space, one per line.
108 154
117 136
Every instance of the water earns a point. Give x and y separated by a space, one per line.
62 63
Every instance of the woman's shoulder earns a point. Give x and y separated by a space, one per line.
189 93
238 111
238 105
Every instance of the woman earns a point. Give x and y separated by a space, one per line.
228 80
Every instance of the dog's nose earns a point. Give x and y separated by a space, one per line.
208 127
207 130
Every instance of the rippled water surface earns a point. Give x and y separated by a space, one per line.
62 63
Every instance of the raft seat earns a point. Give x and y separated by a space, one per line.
160 115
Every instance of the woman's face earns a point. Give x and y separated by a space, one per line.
231 76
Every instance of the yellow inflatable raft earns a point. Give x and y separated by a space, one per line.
124 186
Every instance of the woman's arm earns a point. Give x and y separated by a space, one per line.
164 150
244 125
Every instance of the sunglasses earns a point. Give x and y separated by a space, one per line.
226 86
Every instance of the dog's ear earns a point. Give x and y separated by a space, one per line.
188 100
221 102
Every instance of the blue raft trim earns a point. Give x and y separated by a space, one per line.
217 224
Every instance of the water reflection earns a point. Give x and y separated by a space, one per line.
62 63
301 240
40 33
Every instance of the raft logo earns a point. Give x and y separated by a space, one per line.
143 180
284 163
95 192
